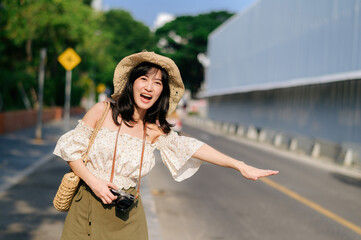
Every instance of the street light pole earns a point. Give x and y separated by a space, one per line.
67 99
38 130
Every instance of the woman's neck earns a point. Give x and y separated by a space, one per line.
139 115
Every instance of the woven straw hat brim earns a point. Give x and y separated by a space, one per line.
126 65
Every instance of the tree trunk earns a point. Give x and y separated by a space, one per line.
29 55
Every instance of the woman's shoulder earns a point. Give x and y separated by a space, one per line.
94 114
99 107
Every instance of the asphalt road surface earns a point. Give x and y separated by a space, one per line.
303 201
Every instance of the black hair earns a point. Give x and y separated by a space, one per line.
124 105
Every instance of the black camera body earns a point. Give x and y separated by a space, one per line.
124 200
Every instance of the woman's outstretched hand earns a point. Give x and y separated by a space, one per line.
253 173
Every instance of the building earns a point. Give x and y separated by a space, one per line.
291 66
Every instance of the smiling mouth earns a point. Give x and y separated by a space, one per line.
147 97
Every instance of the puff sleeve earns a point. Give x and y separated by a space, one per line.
176 152
72 145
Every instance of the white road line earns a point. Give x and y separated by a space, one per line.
11 181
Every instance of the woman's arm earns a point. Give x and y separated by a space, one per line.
98 186
211 155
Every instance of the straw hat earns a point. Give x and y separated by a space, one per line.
126 65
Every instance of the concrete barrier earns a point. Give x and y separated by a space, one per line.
232 128
225 127
278 140
266 135
348 155
262 136
240 130
316 150
329 149
286 140
293 144
217 126
302 145
252 133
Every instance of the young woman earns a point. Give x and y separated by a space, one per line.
147 88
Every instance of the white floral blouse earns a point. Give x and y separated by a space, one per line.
176 152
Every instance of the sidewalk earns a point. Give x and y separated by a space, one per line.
29 177
20 154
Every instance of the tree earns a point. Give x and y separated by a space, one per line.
118 35
29 25
184 38
100 38
125 36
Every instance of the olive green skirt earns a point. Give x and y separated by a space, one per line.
89 218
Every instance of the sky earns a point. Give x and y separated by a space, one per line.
147 11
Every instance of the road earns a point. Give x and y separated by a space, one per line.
304 201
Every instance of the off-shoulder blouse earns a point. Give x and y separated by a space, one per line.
176 152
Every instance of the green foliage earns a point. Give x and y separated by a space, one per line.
28 26
184 38
128 35
122 36
101 39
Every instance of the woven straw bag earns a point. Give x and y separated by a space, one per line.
68 186
70 182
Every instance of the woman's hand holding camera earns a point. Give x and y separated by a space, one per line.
99 187
101 190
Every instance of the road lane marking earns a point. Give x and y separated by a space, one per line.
17 177
307 202
313 205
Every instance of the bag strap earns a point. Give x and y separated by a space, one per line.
115 152
141 159
95 131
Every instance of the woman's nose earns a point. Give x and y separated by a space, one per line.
149 86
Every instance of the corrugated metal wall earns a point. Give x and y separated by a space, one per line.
328 111
280 42
290 65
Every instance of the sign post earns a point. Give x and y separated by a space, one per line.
38 130
69 59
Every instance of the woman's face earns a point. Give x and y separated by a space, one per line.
147 89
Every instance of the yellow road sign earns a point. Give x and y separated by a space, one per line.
101 88
69 59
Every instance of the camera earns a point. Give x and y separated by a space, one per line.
124 200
